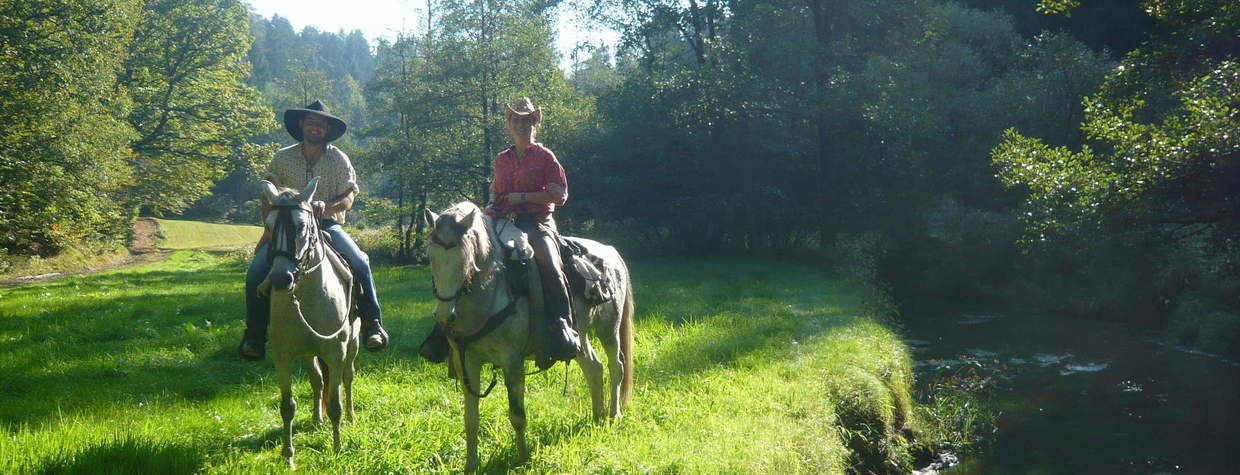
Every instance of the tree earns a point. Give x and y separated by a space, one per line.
1157 181
1166 130
64 144
192 110
437 100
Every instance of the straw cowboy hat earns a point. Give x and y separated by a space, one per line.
292 121
523 108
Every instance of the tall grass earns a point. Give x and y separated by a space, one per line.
742 366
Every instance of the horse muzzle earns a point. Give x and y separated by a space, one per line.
281 280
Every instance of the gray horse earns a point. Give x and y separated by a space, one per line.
487 322
310 304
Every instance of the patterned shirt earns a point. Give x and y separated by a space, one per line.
537 171
289 169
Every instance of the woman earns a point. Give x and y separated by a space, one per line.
528 185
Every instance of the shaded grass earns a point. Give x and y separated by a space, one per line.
178 234
741 366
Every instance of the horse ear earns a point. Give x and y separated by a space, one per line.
308 191
468 221
429 217
269 191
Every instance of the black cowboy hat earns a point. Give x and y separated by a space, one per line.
292 121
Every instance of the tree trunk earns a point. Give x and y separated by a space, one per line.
829 193
400 217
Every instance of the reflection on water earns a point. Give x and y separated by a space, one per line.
1089 397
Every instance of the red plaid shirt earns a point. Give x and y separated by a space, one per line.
537 171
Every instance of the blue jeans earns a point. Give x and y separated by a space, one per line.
258 307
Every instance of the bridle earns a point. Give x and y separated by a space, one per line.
285 232
466 282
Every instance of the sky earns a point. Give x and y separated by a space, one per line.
384 18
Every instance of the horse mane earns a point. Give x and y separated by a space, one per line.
286 195
477 243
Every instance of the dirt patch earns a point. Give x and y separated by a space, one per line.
145 235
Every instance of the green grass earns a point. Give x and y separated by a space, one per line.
742 366
178 234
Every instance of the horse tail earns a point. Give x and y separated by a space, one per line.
626 343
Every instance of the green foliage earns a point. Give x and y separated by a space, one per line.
957 402
1160 172
721 137
63 147
114 105
193 113
1057 6
1168 122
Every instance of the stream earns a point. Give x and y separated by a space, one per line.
1081 396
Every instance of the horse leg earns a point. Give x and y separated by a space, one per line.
334 376
284 377
514 381
472 370
316 387
350 356
592 368
615 370
347 378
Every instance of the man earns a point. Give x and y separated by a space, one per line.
293 167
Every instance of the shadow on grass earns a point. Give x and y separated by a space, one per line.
128 456
274 436
92 342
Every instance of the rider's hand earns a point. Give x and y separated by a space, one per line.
318 206
515 198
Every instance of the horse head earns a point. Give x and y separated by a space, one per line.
458 241
293 229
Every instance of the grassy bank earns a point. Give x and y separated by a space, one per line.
71 259
178 234
741 366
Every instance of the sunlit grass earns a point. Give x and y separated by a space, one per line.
742 366
179 234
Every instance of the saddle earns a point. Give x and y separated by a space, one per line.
583 270
346 271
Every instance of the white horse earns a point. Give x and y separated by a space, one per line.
486 322
310 305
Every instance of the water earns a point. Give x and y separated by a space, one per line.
1089 397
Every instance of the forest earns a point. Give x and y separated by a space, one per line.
1063 156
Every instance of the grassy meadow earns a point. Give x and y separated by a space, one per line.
178 234
742 366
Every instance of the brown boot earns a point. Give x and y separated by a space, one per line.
251 349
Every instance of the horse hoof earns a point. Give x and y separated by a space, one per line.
291 466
